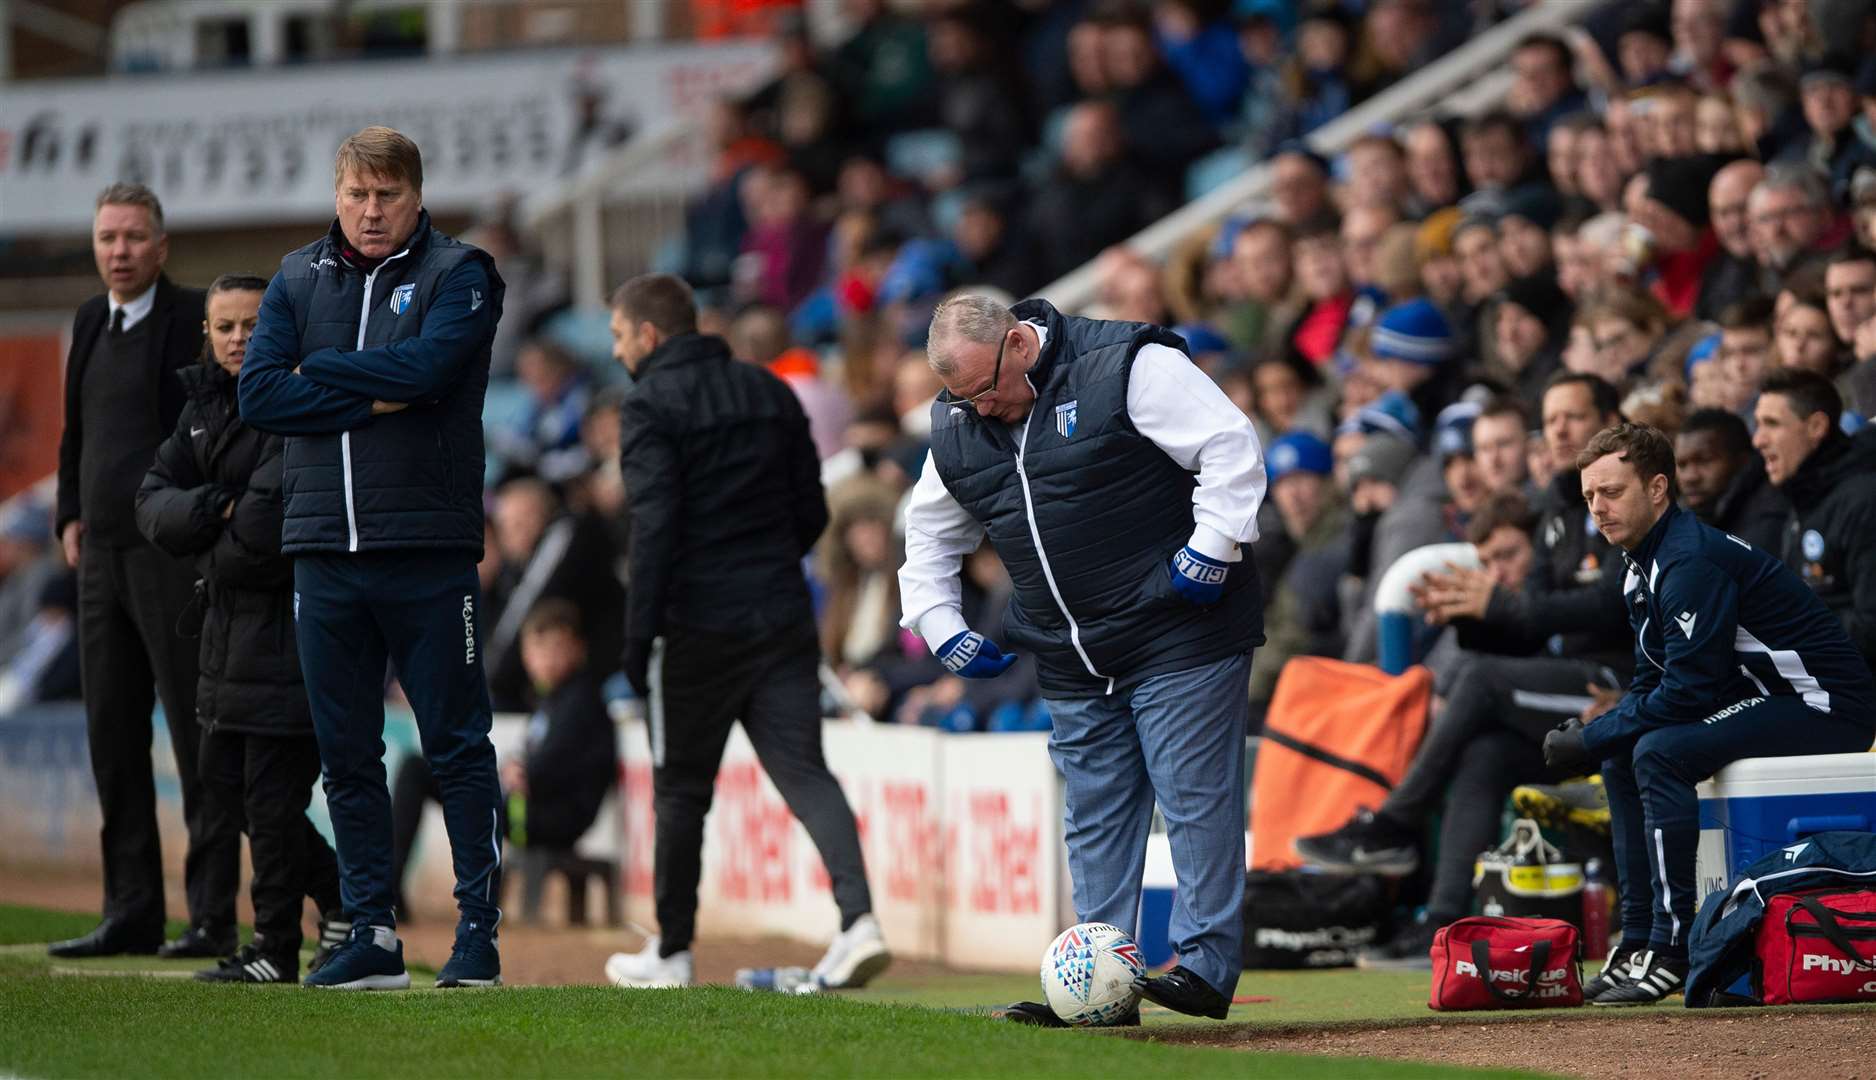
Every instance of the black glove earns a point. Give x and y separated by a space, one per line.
635 662
1564 749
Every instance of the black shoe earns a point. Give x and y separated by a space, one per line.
200 943
1409 950
1614 973
111 938
248 965
1367 844
1036 1014
1183 992
1651 977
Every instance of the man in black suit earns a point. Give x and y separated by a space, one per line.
121 399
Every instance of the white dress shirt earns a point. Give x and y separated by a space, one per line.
1170 402
134 309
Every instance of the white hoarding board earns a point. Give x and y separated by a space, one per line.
251 147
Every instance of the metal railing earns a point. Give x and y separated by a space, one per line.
1464 82
609 224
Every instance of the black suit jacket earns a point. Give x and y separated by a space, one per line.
175 343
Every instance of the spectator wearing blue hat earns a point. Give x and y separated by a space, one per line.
1393 413
1412 345
1304 616
1703 377
1430 501
1206 346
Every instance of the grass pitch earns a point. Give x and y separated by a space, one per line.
72 1025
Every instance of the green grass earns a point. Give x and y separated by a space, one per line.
23 925
69 1026
1294 996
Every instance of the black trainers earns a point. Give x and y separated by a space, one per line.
250 965
1614 973
1411 949
1367 844
1184 992
1651 978
474 961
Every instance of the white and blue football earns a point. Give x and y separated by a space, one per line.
1088 974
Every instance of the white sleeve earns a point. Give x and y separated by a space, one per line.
938 534
1183 412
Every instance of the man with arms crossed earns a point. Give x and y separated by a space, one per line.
372 357
1119 486
1734 658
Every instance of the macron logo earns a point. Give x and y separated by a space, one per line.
468 630
1685 620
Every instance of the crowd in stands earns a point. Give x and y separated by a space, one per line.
1674 200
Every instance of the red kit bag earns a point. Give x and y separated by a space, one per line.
1818 945
1503 963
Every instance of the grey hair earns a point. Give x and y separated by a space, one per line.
972 317
1795 176
128 193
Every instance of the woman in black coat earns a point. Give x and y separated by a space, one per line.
214 493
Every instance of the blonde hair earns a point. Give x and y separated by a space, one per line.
381 150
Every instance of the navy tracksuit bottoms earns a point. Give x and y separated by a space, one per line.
1656 816
422 612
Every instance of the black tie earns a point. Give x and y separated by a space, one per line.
117 321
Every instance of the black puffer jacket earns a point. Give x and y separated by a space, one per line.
723 490
1829 540
250 663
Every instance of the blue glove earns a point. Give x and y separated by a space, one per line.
1198 578
970 655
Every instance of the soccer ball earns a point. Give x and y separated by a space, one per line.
1088 974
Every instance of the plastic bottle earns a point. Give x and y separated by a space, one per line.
1598 905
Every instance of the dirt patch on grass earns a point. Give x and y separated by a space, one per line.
1698 1045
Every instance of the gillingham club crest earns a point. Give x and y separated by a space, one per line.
1065 419
400 298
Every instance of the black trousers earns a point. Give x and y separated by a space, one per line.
1488 740
416 610
701 683
130 652
264 783
412 787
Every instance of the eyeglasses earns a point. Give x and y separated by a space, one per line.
996 375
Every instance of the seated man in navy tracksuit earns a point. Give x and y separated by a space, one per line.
372 357
1735 657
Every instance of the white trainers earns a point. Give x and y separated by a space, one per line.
646 970
856 956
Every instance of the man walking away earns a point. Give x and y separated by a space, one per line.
724 496
122 398
372 357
